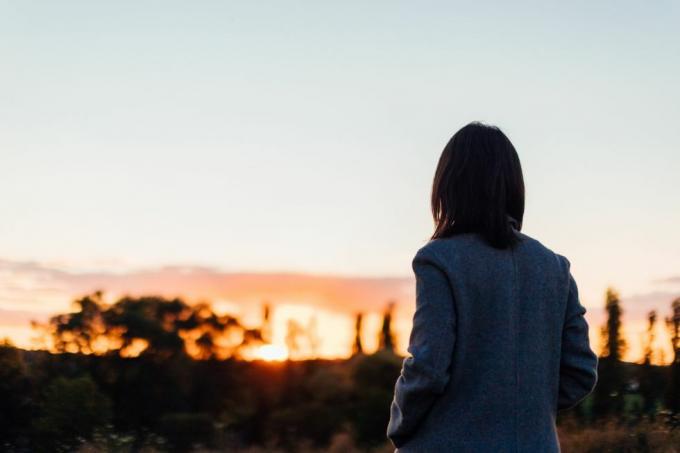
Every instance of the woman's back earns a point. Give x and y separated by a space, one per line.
499 341
490 361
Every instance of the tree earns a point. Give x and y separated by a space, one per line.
358 347
79 330
649 345
293 333
673 387
612 338
266 328
608 397
386 342
312 336
673 323
649 376
149 325
302 341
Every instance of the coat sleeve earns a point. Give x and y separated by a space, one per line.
425 373
578 363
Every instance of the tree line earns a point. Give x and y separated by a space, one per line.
164 375
634 392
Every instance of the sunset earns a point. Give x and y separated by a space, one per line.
234 193
330 301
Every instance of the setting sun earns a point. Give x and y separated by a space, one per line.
271 352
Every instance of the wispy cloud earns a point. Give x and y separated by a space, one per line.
672 280
638 305
20 317
38 288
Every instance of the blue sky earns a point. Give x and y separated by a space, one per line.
302 136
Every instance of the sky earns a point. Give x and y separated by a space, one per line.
300 139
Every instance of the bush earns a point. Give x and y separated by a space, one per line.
185 430
71 410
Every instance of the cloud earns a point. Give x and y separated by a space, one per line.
638 305
20 317
38 288
672 280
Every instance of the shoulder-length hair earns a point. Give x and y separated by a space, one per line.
478 187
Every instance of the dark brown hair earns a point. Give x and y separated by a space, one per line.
478 187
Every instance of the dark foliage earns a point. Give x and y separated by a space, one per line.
167 398
150 325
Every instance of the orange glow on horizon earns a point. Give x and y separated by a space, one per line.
270 353
336 335
312 316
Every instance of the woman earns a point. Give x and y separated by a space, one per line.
499 342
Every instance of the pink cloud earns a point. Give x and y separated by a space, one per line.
26 282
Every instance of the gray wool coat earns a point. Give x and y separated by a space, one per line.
499 344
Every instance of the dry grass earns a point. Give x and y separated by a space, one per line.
643 437
611 437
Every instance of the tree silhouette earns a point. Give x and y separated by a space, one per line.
386 342
608 397
649 344
266 328
673 387
312 335
612 338
673 323
148 325
293 333
301 341
651 381
78 331
358 347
